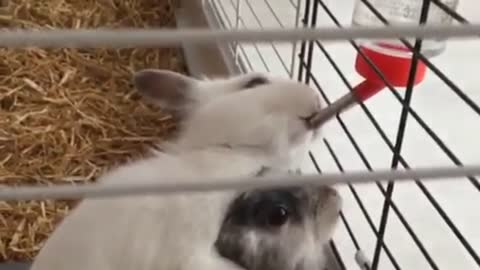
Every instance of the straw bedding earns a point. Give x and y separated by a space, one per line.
66 115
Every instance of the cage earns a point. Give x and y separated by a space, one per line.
412 225
385 226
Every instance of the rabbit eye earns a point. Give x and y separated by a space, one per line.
278 216
254 82
273 216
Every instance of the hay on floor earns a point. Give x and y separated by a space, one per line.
68 114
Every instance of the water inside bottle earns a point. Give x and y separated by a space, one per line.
402 12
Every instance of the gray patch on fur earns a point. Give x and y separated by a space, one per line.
255 246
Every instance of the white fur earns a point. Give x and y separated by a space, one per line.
260 126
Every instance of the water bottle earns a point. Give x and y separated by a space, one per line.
403 12
390 56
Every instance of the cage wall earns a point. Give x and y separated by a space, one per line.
396 226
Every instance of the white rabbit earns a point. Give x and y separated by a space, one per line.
232 127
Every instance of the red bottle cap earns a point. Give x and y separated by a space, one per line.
396 69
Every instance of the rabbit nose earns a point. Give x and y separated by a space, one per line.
328 191
329 202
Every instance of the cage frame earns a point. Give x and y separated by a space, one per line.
408 113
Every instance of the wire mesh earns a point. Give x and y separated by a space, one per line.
391 236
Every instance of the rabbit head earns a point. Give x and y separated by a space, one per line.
279 228
250 110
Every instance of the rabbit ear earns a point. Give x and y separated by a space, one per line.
167 89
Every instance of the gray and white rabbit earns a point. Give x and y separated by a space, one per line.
284 228
232 127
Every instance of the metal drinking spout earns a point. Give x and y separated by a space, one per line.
328 113
361 92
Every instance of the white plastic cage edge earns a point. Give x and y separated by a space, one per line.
229 60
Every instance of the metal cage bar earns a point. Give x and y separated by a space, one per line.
305 74
304 71
399 143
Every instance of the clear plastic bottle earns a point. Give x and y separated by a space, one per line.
402 12
389 57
